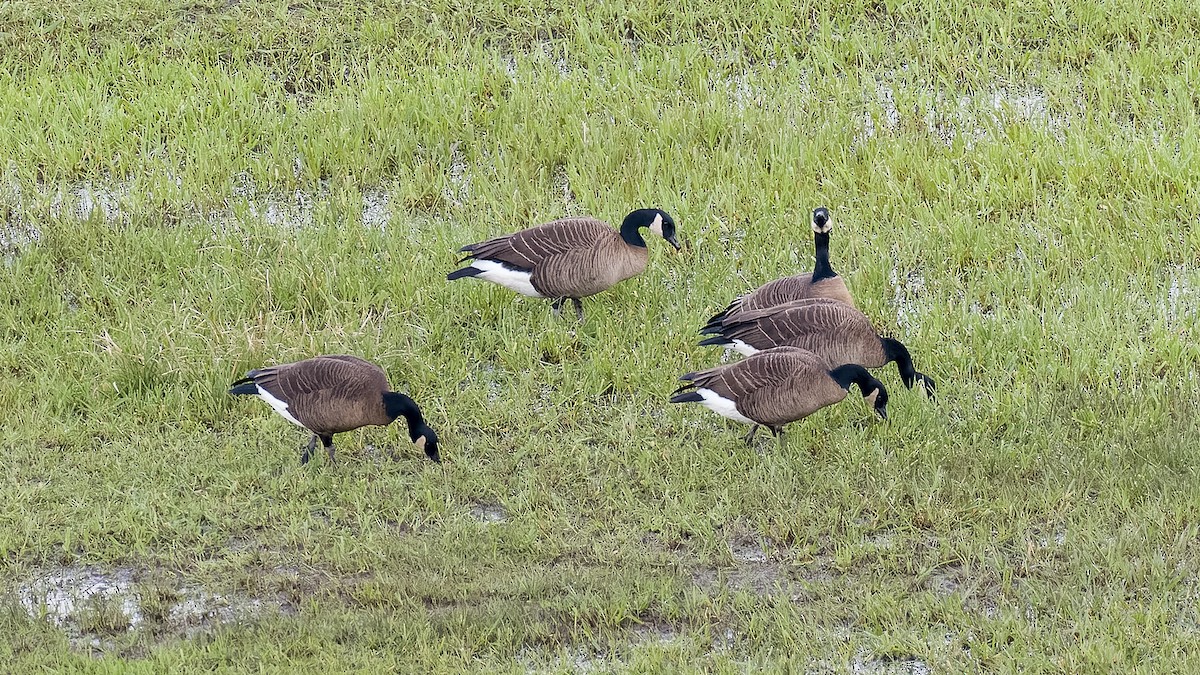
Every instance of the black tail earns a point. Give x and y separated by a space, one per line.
686 396
719 340
463 273
681 395
244 386
715 321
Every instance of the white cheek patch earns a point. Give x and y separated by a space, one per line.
420 443
656 226
871 397
722 406
822 229
278 405
513 280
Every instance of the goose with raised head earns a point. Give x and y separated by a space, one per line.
570 258
334 393
822 282
778 386
833 330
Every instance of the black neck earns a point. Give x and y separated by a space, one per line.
631 231
894 351
822 270
852 373
399 405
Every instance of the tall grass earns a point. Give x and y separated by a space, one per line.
190 190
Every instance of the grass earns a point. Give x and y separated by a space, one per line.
194 189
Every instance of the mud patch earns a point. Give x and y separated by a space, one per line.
95 606
754 570
654 633
744 549
890 667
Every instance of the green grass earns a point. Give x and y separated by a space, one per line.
1022 213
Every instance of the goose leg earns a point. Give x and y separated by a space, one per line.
578 308
308 450
777 432
327 441
750 436
557 306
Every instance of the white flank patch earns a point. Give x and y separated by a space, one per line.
279 406
507 277
656 226
743 348
722 406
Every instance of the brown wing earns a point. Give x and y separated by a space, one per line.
775 386
737 380
835 331
358 363
789 289
583 272
328 394
527 248
775 326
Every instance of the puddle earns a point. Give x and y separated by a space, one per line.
571 659
562 186
740 89
906 289
488 513
1180 302
458 189
90 603
295 212
375 210
16 234
1056 538
87 199
970 118
62 595
881 541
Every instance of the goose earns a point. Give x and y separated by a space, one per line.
822 282
335 393
835 331
567 258
777 386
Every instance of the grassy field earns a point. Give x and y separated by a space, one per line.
191 189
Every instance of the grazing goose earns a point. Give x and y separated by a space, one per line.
568 258
822 282
777 386
331 394
833 330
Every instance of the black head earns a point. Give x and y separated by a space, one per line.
927 384
822 222
425 439
397 405
657 221
876 394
